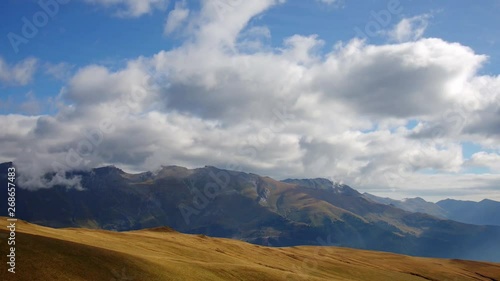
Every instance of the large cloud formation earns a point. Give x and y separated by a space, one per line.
301 110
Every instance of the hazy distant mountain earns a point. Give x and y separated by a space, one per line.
480 213
415 205
486 212
249 207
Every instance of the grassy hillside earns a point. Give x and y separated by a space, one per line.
163 254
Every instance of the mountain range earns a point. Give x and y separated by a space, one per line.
484 212
252 208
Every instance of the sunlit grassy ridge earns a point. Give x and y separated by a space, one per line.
163 254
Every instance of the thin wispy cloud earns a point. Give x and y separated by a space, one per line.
131 8
20 73
410 29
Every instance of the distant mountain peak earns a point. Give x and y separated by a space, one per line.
326 184
110 169
171 171
416 199
416 204
320 183
484 212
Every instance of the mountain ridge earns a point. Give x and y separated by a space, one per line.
483 212
260 210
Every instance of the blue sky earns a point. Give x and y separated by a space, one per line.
110 35
81 34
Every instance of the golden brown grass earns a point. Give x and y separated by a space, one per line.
47 254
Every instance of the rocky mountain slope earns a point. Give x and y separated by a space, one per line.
252 208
